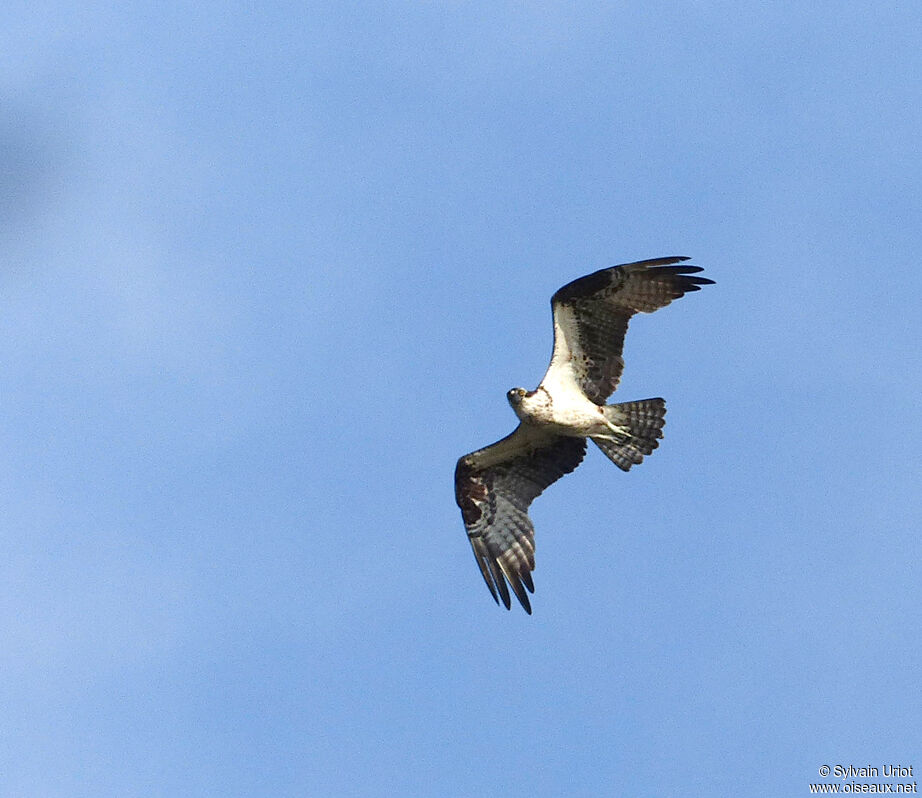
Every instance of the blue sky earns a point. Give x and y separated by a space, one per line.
269 271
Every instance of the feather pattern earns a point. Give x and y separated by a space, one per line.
494 488
591 317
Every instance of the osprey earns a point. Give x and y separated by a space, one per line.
494 486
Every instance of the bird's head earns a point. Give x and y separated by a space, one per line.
515 396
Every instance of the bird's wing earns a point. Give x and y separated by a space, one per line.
591 316
494 487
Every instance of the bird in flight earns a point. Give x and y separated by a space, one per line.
494 486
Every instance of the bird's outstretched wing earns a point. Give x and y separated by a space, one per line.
591 316
494 487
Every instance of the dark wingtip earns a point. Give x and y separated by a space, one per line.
522 596
684 276
520 593
695 283
501 586
480 554
669 259
526 579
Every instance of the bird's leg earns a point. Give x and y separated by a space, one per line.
616 433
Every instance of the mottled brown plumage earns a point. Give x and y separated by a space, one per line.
494 500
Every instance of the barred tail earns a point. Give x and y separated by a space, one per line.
642 424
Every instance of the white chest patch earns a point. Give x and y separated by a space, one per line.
569 411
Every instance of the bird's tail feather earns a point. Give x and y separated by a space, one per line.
640 428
